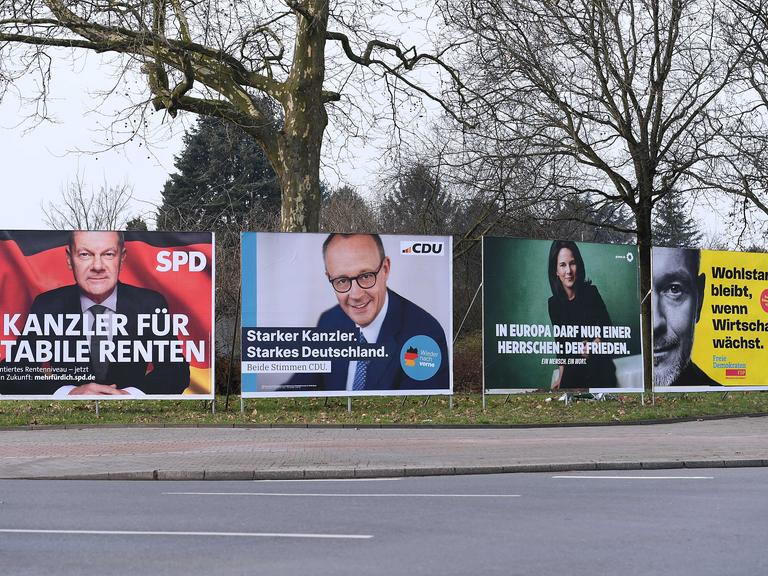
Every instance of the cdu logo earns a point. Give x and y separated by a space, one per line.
411 248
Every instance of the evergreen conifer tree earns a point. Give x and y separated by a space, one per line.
223 178
673 224
417 204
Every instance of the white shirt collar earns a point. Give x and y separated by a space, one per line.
110 303
371 333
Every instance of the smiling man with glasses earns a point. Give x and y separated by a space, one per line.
357 270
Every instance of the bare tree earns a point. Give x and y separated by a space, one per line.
742 167
80 209
627 100
270 67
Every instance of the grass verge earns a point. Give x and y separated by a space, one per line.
528 409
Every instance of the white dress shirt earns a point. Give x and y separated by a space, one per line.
371 333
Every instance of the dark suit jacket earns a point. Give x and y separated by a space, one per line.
165 377
404 320
587 309
694 376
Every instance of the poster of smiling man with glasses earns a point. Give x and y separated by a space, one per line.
346 314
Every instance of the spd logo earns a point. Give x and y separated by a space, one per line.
411 248
168 260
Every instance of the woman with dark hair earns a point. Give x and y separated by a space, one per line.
576 302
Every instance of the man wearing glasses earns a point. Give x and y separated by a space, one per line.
358 269
95 259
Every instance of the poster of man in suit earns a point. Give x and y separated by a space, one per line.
106 314
710 319
346 315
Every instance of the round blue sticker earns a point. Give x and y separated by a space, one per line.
420 357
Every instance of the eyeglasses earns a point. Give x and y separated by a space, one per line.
365 280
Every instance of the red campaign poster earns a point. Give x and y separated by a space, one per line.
106 315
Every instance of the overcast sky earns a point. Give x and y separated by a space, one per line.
38 162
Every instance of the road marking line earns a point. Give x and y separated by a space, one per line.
637 477
173 533
331 495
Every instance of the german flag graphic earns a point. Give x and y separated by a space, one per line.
411 355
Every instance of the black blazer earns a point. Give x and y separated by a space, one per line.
694 376
587 309
164 377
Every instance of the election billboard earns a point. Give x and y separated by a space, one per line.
106 315
346 315
560 315
710 320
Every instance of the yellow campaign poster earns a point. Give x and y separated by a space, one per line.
710 320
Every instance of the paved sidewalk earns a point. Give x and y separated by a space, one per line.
258 453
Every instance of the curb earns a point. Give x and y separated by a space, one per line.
405 472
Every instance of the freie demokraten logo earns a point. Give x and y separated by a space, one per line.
413 248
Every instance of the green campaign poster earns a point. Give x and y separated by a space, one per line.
560 315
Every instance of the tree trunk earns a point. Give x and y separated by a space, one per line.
300 182
299 144
643 222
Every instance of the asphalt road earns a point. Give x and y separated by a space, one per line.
682 522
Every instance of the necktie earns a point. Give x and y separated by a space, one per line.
98 367
361 372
